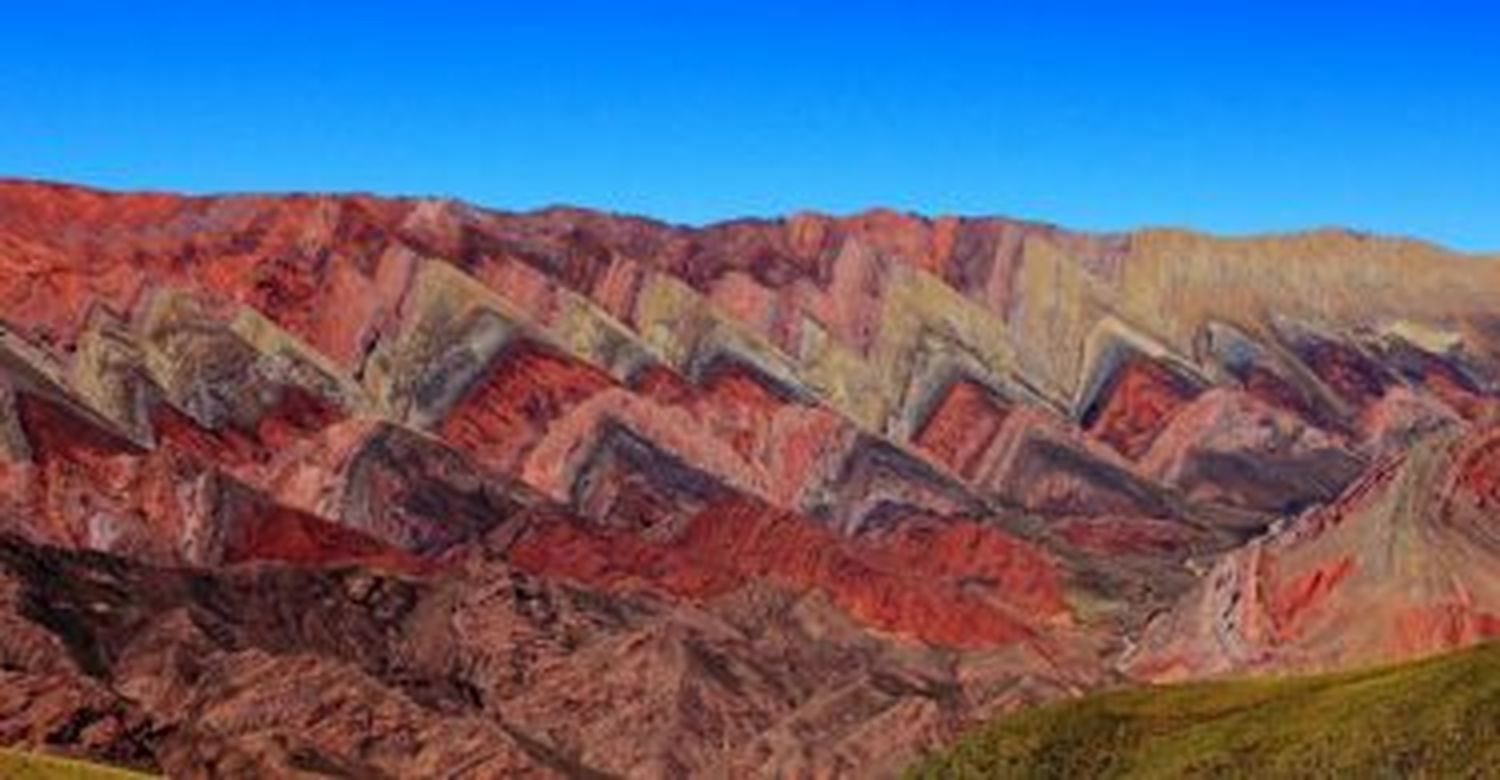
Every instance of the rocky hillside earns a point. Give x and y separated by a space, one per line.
574 492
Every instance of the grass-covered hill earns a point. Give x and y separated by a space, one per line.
24 765
1434 718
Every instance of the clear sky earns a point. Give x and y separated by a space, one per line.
1245 117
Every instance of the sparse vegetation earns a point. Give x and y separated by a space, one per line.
1434 718
23 765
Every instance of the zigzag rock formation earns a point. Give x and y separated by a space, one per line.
404 487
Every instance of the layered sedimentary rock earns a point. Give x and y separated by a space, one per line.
1405 563
483 671
796 495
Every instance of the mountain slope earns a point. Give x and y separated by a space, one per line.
1014 458
1406 563
1433 718
270 670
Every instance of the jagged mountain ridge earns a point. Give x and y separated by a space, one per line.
981 435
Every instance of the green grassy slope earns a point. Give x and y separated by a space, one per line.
22 765
1433 718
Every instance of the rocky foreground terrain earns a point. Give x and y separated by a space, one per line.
344 485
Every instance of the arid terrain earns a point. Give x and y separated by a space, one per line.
386 487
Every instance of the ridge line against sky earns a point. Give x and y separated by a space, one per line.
783 215
1242 119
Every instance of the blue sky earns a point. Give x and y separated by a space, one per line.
1225 116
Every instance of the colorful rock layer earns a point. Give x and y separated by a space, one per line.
574 492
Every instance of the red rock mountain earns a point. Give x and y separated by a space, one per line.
405 487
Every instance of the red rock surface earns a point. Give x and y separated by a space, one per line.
531 387
272 533
962 426
1139 401
928 583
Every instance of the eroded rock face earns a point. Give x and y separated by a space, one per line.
567 492
1234 449
484 669
1136 404
1405 563
954 584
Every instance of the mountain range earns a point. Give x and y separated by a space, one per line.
397 487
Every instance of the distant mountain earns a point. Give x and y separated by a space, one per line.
806 495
